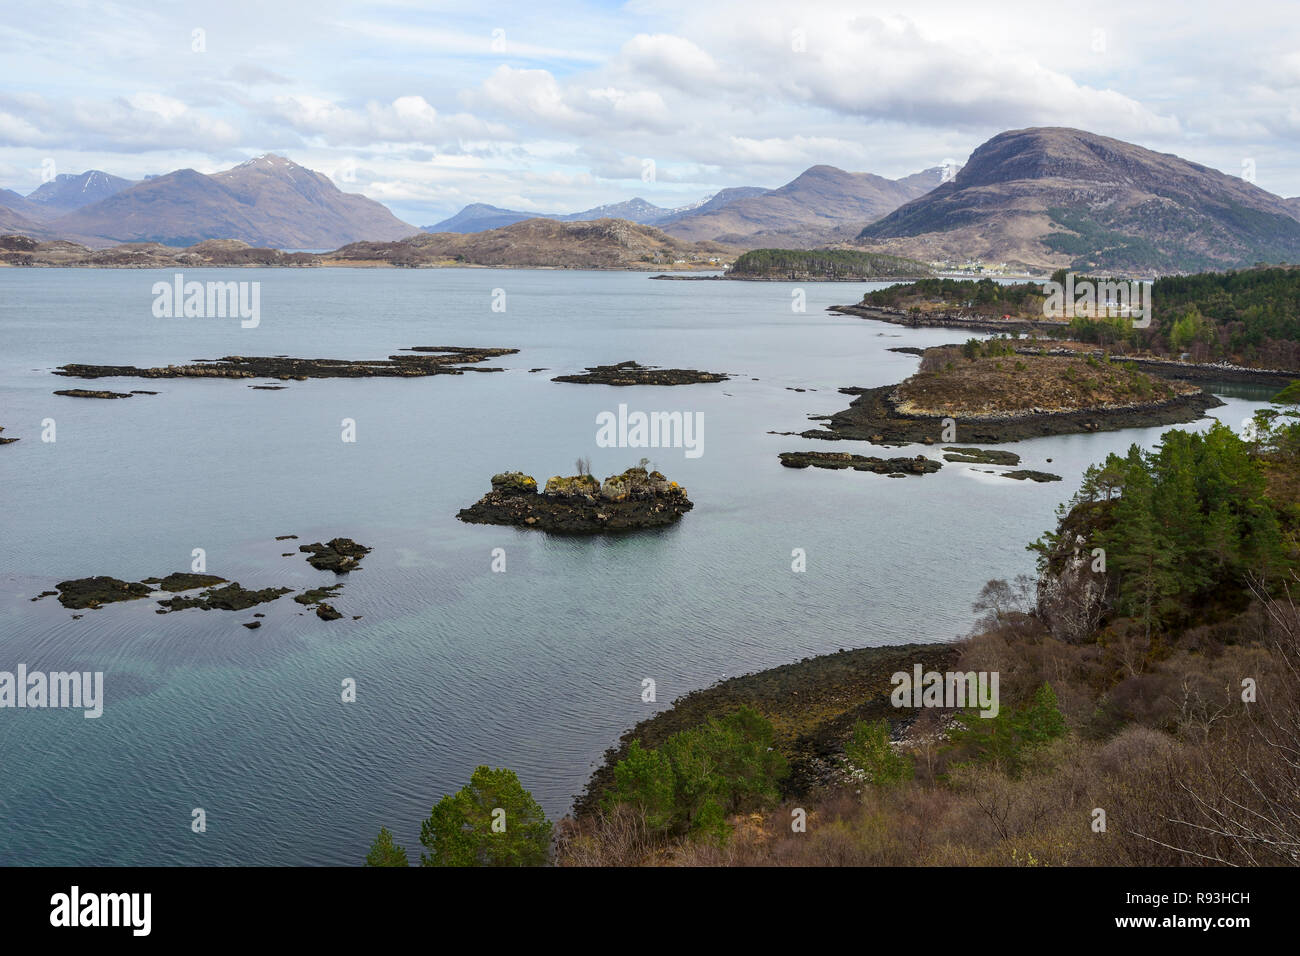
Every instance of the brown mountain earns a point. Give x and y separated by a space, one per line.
268 201
821 204
1055 197
544 243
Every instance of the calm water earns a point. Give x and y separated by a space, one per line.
538 669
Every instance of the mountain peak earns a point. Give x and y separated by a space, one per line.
1055 196
268 161
69 191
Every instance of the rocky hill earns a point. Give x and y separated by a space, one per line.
1056 197
543 243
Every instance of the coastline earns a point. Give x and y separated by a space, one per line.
1203 372
872 417
812 703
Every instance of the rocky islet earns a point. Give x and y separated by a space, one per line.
581 504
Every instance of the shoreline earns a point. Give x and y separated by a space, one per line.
1166 368
945 320
813 704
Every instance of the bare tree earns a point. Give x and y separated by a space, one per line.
1243 806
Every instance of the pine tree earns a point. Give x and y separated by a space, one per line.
384 852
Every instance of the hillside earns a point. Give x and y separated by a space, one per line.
543 243
804 212
268 201
1062 197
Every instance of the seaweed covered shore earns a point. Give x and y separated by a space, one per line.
812 704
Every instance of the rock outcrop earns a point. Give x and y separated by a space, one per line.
339 555
1074 590
580 504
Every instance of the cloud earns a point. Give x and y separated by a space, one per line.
561 107
676 61
138 121
407 119
539 99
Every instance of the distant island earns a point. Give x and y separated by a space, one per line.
834 265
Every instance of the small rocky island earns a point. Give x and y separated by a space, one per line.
994 395
91 393
339 555
893 467
429 360
581 504
631 373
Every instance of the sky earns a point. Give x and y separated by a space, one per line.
561 106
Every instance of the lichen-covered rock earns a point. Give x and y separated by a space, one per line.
574 486
514 481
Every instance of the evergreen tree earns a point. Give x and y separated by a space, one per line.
384 852
492 821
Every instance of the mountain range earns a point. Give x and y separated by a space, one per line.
267 201
479 217
1040 198
823 204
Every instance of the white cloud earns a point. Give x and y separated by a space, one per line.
562 110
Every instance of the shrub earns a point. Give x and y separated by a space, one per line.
868 750
644 780
726 765
1008 740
